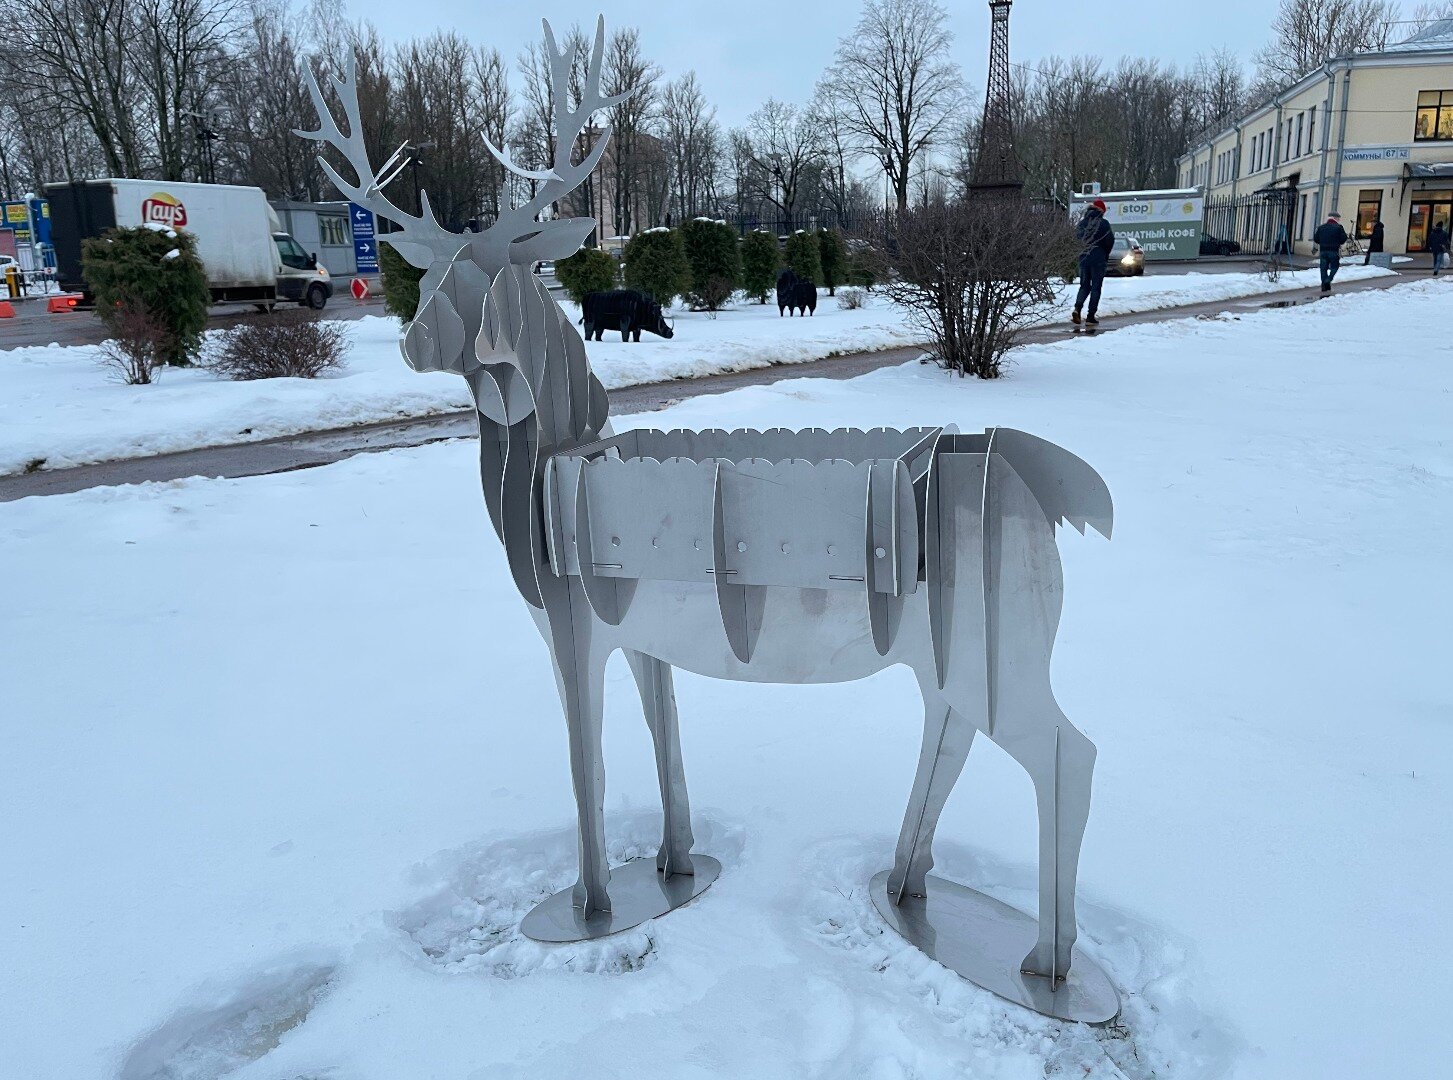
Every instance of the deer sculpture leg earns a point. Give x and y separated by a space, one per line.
580 672
1060 761
947 739
658 700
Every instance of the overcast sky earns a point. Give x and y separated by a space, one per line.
745 51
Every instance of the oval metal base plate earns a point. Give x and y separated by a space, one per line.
638 892
985 941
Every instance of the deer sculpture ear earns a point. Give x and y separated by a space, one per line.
558 239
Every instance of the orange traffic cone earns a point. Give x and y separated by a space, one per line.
62 303
7 310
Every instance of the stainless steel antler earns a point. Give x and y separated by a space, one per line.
517 236
423 241
525 239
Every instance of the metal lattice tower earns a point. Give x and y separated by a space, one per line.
996 168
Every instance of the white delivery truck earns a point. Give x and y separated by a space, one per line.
246 255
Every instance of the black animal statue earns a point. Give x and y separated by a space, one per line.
625 310
796 294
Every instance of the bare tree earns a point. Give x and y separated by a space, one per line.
73 60
781 150
262 97
451 96
1428 13
895 84
1306 33
693 144
631 158
181 49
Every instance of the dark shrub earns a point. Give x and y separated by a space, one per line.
588 270
135 354
154 275
655 263
716 264
833 255
400 283
801 256
288 344
760 262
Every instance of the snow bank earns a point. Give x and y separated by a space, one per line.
59 408
283 763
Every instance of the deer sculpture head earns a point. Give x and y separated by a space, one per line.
482 314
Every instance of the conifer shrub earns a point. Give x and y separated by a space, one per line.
655 263
148 281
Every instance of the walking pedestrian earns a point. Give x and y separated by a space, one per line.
1329 238
1374 243
1438 245
1096 239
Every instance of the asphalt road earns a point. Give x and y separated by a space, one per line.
323 447
33 326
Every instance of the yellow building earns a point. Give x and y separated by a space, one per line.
1369 135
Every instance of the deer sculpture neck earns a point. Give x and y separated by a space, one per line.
482 313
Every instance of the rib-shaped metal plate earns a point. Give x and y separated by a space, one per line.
792 523
774 444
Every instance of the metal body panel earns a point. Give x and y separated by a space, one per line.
758 556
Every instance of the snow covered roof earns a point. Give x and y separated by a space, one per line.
1435 37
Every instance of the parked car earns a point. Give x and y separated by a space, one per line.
1214 245
1127 257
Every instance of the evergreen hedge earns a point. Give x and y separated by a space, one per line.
833 255
588 270
152 275
400 282
655 263
760 263
801 256
716 264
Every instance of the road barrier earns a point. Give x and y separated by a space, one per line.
62 303
7 310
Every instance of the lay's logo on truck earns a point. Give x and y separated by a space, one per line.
163 209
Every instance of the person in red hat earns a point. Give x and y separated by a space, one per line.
1096 238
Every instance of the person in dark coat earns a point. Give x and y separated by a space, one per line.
1374 243
1438 245
1096 239
1329 238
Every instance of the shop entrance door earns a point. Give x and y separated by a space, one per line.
1425 214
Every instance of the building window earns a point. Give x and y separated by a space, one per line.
1369 210
1435 116
333 230
1311 129
1302 220
1301 124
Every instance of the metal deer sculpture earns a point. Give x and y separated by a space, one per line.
764 556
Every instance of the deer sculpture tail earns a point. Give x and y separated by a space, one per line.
1067 488
980 538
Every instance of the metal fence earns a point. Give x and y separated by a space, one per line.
1262 222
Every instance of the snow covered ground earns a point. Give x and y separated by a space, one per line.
283 764
59 408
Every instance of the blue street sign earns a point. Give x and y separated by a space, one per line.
365 242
